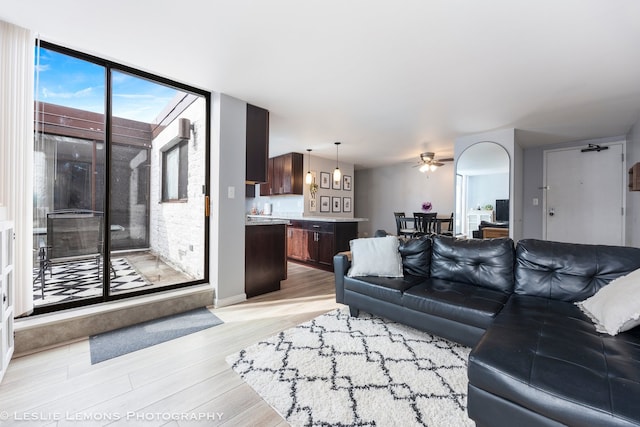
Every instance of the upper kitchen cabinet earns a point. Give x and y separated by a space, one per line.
285 175
257 144
265 187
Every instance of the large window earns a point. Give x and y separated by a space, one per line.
101 230
175 164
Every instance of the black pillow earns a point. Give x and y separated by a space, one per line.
416 256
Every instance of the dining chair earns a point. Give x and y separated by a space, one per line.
425 222
449 230
419 222
402 224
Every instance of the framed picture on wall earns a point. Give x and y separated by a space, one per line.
325 204
336 184
346 204
346 182
336 204
312 205
325 180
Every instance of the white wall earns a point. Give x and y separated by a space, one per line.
401 187
484 190
319 164
228 148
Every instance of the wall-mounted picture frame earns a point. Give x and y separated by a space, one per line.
346 204
337 185
313 187
325 204
325 180
336 204
313 205
346 183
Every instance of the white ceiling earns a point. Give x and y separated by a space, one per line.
390 79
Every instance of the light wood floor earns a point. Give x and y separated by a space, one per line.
184 378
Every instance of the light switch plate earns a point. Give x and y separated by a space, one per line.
231 192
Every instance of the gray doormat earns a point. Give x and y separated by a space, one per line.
121 341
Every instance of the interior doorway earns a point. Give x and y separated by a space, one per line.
583 198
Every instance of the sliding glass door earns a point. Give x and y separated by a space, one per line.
157 184
120 181
69 178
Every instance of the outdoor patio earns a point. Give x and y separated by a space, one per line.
70 281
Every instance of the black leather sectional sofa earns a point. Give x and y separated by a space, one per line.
537 360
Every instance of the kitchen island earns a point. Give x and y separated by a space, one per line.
265 262
314 240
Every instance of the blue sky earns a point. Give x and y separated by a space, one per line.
68 81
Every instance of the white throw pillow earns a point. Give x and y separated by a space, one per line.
616 307
375 256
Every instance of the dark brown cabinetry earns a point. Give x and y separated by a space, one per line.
257 144
285 175
297 244
316 242
265 258
265 187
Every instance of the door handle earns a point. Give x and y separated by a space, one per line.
552 211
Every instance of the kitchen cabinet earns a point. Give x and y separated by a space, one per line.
316 242
265 258
265 187
297 244
285 175
326 249
257 144
250 190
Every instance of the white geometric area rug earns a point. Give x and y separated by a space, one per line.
337 370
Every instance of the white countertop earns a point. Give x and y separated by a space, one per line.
264 220
277 217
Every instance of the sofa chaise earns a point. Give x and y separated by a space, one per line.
537 358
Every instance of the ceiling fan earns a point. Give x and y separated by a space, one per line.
428 162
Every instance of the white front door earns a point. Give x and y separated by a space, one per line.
584 195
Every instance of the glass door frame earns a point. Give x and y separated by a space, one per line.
109 67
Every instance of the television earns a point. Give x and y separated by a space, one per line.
502 210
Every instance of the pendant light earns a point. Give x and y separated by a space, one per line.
309 178
336 173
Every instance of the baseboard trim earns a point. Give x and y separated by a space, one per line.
43 331
223 302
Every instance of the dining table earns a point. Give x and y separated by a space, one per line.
410 231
